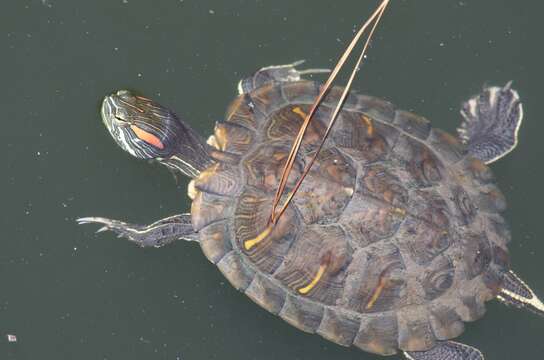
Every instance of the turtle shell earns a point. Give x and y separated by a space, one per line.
392 242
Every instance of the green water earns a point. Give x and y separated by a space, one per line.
69 294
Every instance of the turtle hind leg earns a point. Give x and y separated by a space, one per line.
275 74
157 234
492 121
515 292
446 350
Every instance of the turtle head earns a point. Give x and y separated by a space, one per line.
148 130
140 126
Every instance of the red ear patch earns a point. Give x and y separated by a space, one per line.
147 137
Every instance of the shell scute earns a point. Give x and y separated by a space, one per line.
500 257
267 99
474 307
315 265
364 138
266 294
328 188
477 254
491 199
378 334
208 208
448 146
286 122
481 173
437 278
264 246
264 167
472 295
429 206
303 92
376 280
412 124
496 229
215 240
381 184
464 208
232 138
219 179
301 313
368 221
240 112
445 322
422 240
415 332
375 108
339 326
236 271
420 163
333 96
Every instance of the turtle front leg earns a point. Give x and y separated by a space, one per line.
157 234
492 122
515 292
446 350
275 74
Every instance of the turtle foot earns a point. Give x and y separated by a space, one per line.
276 74
492 121
446 350
156 234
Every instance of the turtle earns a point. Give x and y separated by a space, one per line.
395 238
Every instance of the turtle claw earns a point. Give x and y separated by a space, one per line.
120 228
96 220
102 229
289 72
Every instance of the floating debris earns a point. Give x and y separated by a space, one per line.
11 338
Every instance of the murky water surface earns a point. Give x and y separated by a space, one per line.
69 294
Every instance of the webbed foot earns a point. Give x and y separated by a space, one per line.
157 234
446 350
275 74
492 121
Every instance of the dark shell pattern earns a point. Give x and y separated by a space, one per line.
392 242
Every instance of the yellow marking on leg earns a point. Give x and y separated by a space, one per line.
192 192
376 294
297 110
369 126
248 244
212 141
220 134
314 281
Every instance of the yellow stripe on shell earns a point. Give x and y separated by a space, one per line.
248 244
369 126
297 110
376 294
314 281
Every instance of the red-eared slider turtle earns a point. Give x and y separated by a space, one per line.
395 238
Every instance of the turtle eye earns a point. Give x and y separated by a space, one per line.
147 137
120 118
